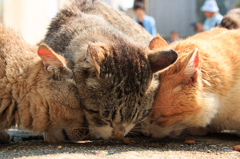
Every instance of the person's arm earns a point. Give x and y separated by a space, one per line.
199 27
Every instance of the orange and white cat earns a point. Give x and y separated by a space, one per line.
201 91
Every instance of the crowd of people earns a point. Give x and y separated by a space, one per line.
210 9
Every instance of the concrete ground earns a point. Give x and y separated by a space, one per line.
24 145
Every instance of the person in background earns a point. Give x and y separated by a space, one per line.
174 37
145 21
214 18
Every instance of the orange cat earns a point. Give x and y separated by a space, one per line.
202 88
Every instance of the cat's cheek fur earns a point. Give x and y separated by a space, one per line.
208 111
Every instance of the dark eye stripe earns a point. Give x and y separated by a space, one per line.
113 114
98 122
65 135
91 111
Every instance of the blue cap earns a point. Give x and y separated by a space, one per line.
210 5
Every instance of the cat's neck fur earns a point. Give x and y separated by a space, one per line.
218 83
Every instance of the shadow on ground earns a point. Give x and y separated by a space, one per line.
209 146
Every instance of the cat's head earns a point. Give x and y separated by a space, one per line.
231 19
117 85
60 112
177 101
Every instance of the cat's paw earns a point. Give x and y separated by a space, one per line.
4 137
51 139
198 131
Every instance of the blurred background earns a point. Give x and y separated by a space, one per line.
31 17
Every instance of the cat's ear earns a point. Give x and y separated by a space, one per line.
192 67
97 53
159 60
157 43
50 58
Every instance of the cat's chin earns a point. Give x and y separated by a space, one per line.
104 132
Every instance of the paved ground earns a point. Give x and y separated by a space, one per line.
210 146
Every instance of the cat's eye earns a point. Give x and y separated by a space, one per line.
110 123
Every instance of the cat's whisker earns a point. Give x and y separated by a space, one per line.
85 136
139 127
141 120
136 128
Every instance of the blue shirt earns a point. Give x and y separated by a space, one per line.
211 22
149 24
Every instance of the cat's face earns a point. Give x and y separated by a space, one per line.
177 101
63 118
117 86
67 125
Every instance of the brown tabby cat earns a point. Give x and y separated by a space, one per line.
202 88
231 20
113 67
37 93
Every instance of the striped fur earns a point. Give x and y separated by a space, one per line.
111 63
36 97
231 20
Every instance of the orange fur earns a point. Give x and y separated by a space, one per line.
157 42
205 95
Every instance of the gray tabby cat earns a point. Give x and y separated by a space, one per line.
113 67
38 92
